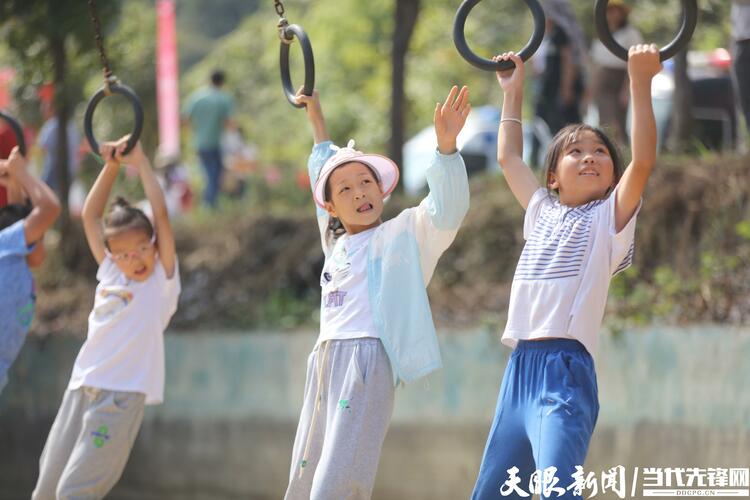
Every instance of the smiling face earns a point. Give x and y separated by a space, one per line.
585 170
134 253
354 196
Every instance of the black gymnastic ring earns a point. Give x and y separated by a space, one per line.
114 88
689 20
289 32
17 131
459 37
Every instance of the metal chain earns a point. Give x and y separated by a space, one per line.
108 77
279 7
283 23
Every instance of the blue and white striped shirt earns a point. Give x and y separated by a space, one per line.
562 278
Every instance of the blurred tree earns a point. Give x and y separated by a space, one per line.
405 19
53 40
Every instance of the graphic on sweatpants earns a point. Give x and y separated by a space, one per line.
111 301
26 313
336 274
101 436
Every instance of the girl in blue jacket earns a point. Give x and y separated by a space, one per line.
375 322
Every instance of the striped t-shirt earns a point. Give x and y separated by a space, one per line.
562 278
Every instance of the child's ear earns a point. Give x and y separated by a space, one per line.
330 209
552 182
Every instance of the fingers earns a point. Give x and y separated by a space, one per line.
463 99
643 48
451 97
436 115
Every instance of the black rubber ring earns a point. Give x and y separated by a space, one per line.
286 78
115 88
459 37
689 20
17 131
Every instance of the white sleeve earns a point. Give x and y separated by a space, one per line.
539 200
623 242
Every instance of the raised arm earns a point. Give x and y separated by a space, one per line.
46 205
314 115
643 65
519 176
96 200
155 196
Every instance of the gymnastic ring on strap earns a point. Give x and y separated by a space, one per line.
114 88
289 32
459 37
689 20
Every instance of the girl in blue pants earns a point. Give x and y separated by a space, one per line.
579 232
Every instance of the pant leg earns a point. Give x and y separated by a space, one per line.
110 424
60 443
301 473
565 417
360 405
212 166
507 445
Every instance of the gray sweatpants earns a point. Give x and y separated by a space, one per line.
89 444
338 442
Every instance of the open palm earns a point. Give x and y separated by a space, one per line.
450 118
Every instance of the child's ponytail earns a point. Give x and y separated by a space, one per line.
122 216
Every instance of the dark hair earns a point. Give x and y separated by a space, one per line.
335 226
569 134
218 77
625 14
122 217
10 214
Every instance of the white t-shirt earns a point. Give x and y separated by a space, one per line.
124 349
626 37
562 279
345 301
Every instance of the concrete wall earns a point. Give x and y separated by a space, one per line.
668 398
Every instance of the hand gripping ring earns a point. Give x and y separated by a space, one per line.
459 37
17 131
114 88
689 20
288 32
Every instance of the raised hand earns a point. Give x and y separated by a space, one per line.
450 118
643 62
510 79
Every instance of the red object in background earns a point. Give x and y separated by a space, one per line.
721 58
7 143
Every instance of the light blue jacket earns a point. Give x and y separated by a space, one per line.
402 256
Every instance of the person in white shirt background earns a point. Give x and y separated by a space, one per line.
609 85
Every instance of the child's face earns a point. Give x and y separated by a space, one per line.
356 198
585 171
134 253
